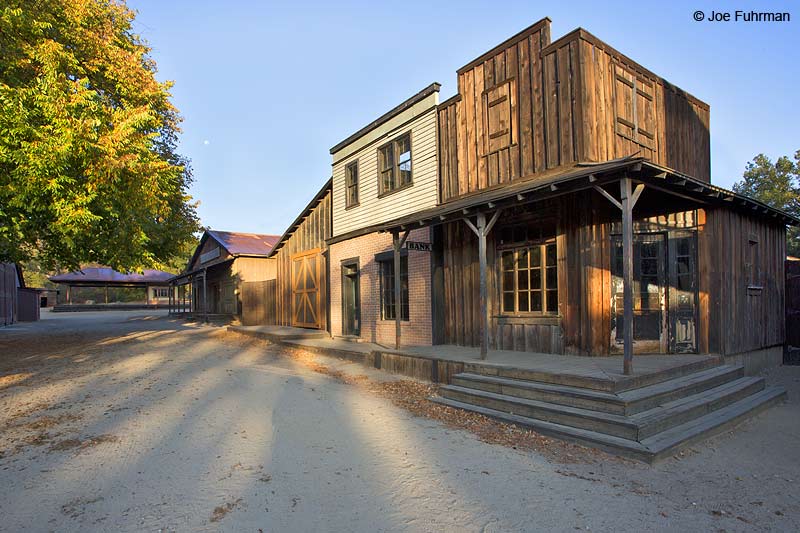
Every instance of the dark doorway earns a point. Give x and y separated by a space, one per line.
682 292
351 299
649 276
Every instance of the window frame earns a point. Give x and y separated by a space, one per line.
404 291
543 267
393 145
348 185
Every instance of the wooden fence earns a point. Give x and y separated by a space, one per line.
258 303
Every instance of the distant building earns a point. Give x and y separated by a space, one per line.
103 287
222 262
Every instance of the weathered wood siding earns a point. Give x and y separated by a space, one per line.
309 235
254 268
531 105
420 120
209 245
625 109
743 281
8 293
258 302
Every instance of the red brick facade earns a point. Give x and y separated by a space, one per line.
414 332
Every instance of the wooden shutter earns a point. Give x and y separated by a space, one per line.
635 107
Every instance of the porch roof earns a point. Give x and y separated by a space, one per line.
577 177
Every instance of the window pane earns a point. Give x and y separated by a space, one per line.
536 256
552 278
551 255
387 157
387 180
536 300
508 281
522 280
522 259
536 278
508 301
552 301
523 301
508 260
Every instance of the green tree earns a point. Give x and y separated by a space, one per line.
777 185
88 166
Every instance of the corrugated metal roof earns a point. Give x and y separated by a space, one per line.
238 243
109 275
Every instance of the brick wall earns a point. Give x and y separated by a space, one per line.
416 331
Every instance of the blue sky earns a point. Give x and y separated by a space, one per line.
266 88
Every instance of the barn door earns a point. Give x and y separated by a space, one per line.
306 297
682 292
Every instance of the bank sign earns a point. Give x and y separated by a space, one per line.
419 246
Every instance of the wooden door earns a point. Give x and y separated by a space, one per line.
351 308
307 309
682 292
649 274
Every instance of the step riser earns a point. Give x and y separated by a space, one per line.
659 399
542 396
681 418
542 377
631 383
633 429
548 415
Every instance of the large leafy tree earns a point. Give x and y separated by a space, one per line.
88 164
777 185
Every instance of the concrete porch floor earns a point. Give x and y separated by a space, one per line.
604 373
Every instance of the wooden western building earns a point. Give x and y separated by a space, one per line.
301 259
386 170
222 262
573 214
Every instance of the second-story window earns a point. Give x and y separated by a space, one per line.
351 184
394 164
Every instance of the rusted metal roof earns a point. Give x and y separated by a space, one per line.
238 243
106 275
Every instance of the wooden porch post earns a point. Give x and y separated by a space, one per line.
397 245
482 230
628 201
106 293
69 301
205 294
627 273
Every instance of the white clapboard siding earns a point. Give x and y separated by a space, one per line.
420 120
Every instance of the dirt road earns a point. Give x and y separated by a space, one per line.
124 421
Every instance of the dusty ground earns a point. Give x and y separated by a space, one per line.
124 421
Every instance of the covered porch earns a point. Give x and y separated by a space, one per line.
632 264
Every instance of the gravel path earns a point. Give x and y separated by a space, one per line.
132 422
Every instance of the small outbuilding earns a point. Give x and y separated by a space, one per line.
10 282
221 264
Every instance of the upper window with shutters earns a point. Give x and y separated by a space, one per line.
635 107
498 118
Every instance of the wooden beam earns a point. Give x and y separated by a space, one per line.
627 274
608 196
636 194
397 245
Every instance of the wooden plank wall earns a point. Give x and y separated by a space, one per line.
258 302
461 300
681 125
8 294
311 234
466 163
742 319
563 109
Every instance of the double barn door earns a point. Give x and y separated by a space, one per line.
664 293
307 300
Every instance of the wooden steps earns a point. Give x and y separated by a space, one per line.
645 423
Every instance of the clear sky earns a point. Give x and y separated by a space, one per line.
266 88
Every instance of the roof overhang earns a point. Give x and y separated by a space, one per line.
579 177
